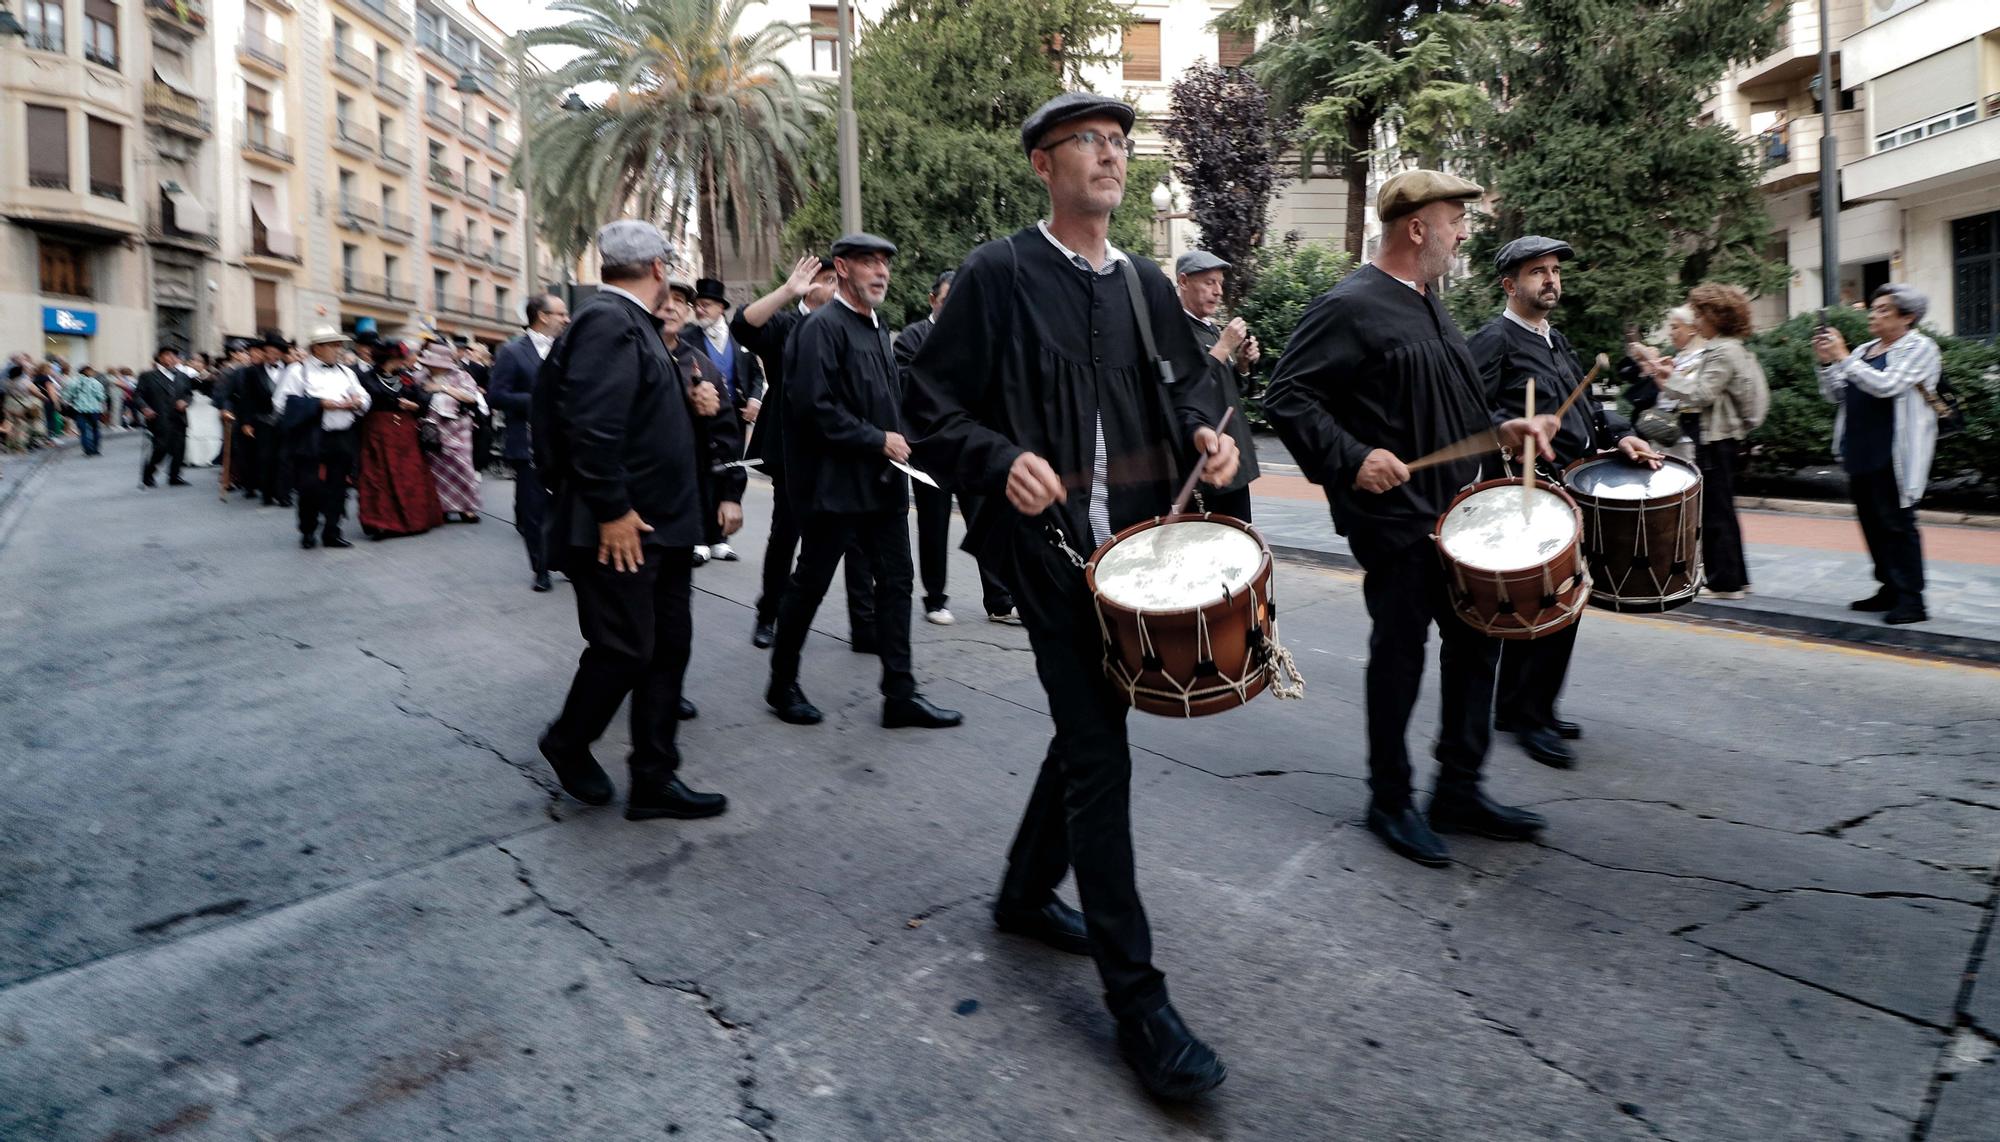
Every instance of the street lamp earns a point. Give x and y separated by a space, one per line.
9 26
467 84
1163 197
574 103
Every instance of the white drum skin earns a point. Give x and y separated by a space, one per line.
1177 566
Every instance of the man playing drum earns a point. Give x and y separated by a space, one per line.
1515 349
1036 393
1375 375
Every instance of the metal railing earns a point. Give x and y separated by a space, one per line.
394 154
358 215
501 204
261 48
105 188
354 137
349 59
264 141
505 260
160 225
184 13
445 241
382 12
396 222
441 115
441 176
472 194
101 59
177 109
392 85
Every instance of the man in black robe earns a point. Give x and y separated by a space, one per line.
246 407
1035 391
614 438
765 327
843 431
934 504
163 397
1198 279
1515 349
1376 374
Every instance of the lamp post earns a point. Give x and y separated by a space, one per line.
1829 168
850 145
1164 200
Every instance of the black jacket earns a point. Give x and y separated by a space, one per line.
846 395
247 396
512 392
721 435
160 391
612 430
768 341
1509 353
1206 335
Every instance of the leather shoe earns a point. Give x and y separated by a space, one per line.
652 798
1882 600
1480 815
916 711
764 635
543 582
1567 731
579 773
1546 747
688 711
333 540
177 482
1407 833
1906 614
307 541
1055 924
790 704
1170 1061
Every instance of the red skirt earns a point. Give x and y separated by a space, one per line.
392 481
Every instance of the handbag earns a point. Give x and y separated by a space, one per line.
1655 427
430 438
1944 401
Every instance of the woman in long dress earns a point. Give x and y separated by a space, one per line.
394 489
204 426
453 401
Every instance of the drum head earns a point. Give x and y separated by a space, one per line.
1616 478
1178 565
1490 531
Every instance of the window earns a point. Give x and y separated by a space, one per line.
44 19
48 147
343 112
1142 51
65 268
433 94
107 159
440 282
388 202
100 32
346 190
350 258
385 64
265 291
1975 265
1232 48
466 170
342 34
500 302
493 185
825 39
438 224
390 264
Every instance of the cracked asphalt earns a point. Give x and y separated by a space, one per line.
278 860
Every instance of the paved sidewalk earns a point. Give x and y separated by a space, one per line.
1804 570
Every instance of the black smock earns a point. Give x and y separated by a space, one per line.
1031 352
1376 364
1233 499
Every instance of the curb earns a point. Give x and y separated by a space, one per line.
1809 619
1831 510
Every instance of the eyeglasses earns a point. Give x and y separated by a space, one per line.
1093 141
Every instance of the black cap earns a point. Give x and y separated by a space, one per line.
1528 247
825 263
277 341
709 289
1072 105
862 244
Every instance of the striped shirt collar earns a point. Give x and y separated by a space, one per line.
1112 254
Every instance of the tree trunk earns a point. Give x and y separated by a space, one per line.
711 220
1354 169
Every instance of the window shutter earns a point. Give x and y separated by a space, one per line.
1142 51
107 156
48 146
103 10
1232 48
256 99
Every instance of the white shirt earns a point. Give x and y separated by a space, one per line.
1100 464
870 315
1540 330
627 294
323 383
542 343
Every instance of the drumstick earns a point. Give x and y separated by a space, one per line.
1588 378
1528 461
1187 489
1477 444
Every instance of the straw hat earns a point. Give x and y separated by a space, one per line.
327 334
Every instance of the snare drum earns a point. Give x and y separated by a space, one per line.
1184 606
1511 556
1641 531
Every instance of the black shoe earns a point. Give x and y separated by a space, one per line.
653 798
1882 600
333 540
1546 747
542 582
916 711
147 482
579 773
1906 614
1567 731
284 501
1055 924
177 482
269 502
307 541
791 706
1407 833
688 711
1171 1062
764 635
1480 815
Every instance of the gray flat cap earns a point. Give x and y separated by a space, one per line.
1072 105
862 244
1527 247
630 242
1196 261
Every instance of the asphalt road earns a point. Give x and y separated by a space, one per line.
278 860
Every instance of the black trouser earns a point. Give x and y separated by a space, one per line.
482 441
934 549
884 540
531 505
1406 590
1080 814
1723 565
274 460
245 461
1236 503
1531 678
1891 531
638 632
169 444
322 482
780 551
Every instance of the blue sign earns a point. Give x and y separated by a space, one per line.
74 322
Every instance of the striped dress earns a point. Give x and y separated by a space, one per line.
451 468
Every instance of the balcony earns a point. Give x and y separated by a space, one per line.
261 51
392 87
446 244
160 227
1789 152
472 194
384 14
350 64
176 111
505 260
354 139
374 286
398 225
259 246
352 214
441 177
477 251
393 156
502 204
1965 157
182 15
441 115
263 144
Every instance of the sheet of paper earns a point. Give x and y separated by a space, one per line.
913 474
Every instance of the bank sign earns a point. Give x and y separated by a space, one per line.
74 322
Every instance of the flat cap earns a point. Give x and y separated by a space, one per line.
1072 105
1414 190
1196 261
681 284
1528 247
630 242
862 244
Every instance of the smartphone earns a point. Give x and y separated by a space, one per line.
1821 327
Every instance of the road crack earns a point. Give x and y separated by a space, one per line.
1961 1008
536 774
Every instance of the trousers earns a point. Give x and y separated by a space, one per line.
1531 676
531 506
934 549
169 444
1723 564
884 541
322 482
638 632
780 554
87 431
1890 530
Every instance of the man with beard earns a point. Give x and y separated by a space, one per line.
1375 375
738 380
1514 350
843 434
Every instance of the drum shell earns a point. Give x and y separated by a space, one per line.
1176 640
1492 602
1644 554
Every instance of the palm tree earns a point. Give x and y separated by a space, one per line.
703 124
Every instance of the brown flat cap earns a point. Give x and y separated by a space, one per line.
1414 190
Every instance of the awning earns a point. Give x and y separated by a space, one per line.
190 214
264 204
168 71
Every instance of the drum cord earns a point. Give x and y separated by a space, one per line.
1265 659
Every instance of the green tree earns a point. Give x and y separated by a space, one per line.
1599 145
941 88
1220 127
704 123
